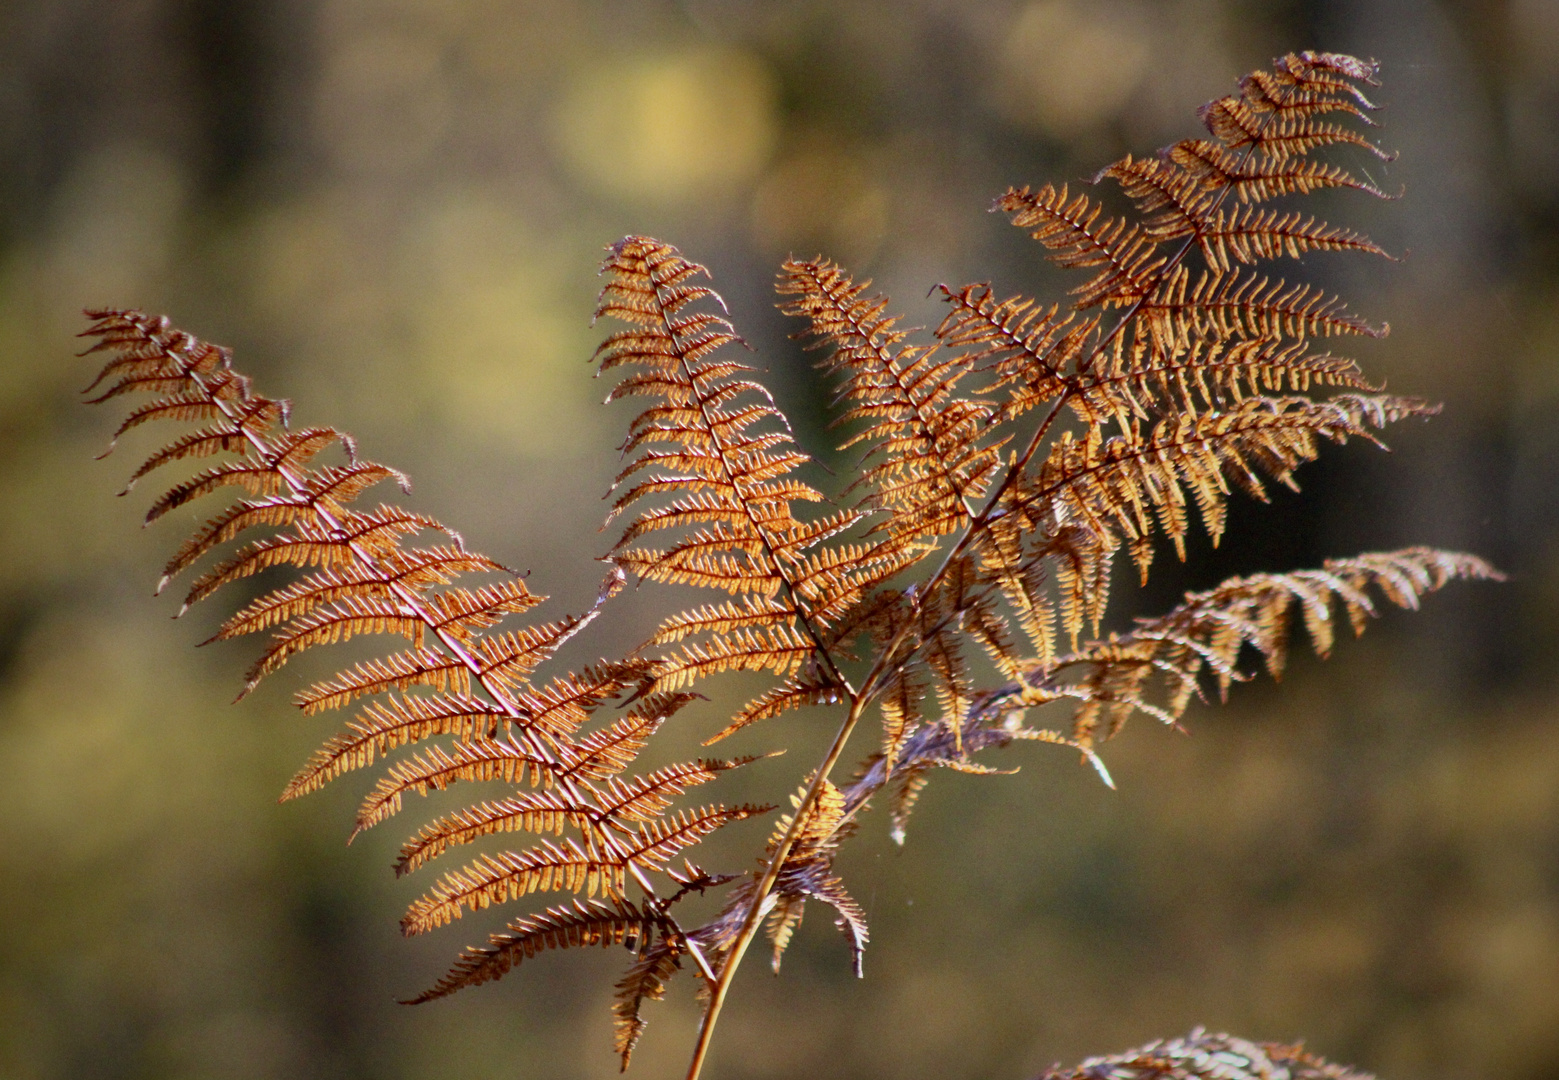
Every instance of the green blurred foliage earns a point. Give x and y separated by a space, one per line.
394 210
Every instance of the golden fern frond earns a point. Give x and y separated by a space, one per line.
1208 631
532 811
794 693
1140 381
493 879
1183 372
783 922
1257 179
435 768
579 924
1119 487
609 750
589 868
807 873
461 680
644 797
1248 234
391 722
1200 1056
1080 237
1279 113
560 707
400 671
657 842
713 441
1220 306
1030 350
645 981
928 455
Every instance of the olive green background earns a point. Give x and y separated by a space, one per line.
394 210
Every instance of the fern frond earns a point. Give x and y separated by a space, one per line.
457 682
793 693
580 924
644 797
1073 227
658 841
1258 179
1247 234
1278 112
391 722
400 671
494 879
928 452
609 751
1119 487
532 811
1156 668
1030 350
714 442
1245 305
1183 372
436 768
1200 1056
645 981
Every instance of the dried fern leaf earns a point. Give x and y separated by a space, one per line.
928 453
645 981
712 442
1200 1056
461 681
579 924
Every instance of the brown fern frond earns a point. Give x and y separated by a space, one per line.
658 841
713 440
1030 350
1278 114
1200 1056
392 722
1245 305
1140 380
1184 371
644 797
807 873
609 750
928 452
1256 179
568 865
1119 487
458 682
436 768
1073 228
645 981
344 541
1248 234
400 671
532 811
579 924
494 879
1156 668
793 693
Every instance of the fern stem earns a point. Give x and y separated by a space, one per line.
771 874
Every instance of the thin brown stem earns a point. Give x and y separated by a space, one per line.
771 873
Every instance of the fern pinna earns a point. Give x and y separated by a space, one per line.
953 591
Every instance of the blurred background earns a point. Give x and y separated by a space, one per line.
394 210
